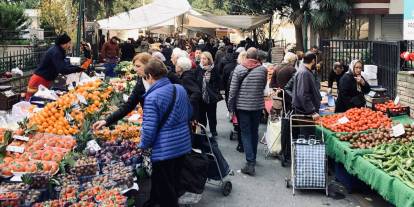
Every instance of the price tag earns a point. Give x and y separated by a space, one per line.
15 149
398 130
92 145
68 117
125 97
8 93
82 99
343 120
371 93
397 100
134 118
22 138
134 187
17 177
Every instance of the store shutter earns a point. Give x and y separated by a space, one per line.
392 27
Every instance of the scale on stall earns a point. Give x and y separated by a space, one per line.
7 98
375 96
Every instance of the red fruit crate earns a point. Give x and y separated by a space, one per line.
399 111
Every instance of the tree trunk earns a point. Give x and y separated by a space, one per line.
299 37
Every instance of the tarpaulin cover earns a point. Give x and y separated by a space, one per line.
153 14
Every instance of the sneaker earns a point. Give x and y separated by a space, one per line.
248 169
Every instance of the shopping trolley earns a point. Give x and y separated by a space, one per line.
218 166
309 168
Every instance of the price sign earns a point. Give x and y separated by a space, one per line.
371 93
397 100
68 117
343 120
22 138
82 99
15 149
125 97
398 130
92 145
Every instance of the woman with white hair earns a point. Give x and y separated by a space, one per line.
188 81
284 72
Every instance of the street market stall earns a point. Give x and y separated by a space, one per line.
54 159
367 156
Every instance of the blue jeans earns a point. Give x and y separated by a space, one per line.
249 124
109 69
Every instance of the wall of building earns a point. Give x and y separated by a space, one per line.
396 7
405 86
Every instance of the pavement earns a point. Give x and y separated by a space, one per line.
268 188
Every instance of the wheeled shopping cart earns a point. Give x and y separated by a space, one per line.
218 167
309 168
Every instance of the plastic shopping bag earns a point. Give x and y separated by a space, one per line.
273 136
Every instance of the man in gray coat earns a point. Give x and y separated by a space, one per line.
306 98
246 99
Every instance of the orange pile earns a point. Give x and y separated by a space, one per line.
360 119
53 118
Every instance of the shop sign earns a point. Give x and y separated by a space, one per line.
408 20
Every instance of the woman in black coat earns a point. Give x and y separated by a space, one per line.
209 81
351 89
136 96
189 82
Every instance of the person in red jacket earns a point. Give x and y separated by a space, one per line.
110 55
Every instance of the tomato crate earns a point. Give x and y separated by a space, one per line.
398 111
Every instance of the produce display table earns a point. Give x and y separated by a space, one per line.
391 188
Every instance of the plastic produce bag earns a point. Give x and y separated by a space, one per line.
45 93
21 109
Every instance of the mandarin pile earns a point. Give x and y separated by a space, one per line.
66 115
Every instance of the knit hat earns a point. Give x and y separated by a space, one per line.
201 42
62 39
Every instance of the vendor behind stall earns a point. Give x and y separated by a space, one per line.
52 64
336 74
110 55
352 88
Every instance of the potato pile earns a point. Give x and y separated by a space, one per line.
376 137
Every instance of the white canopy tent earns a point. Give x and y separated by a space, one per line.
157 13
162 16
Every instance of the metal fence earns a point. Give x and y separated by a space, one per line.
383 54
25 59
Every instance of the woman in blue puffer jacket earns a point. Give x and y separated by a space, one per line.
165 129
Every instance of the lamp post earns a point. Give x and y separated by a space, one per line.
80 23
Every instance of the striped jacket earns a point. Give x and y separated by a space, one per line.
248 95
173 139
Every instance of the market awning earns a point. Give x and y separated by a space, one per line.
242 22
158 12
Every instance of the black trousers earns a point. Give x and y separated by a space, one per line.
165 183
209 111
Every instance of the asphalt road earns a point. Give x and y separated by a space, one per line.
267 188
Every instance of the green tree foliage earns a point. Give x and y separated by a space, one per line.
59 16
326 16
218 7
99 9
13 21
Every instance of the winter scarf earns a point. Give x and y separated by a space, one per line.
206 79
351 71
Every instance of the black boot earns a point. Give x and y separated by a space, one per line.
249 169
240 148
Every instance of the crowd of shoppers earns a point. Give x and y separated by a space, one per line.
180 82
